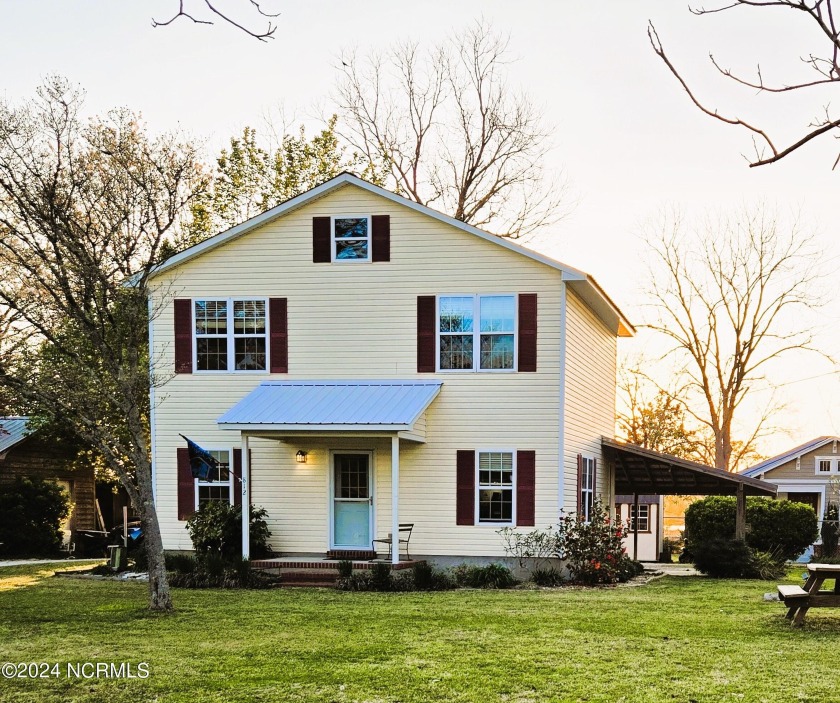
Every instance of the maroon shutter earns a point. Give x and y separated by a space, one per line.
279 335
425 334
321 244
525 486
186 485
381 238
579 483
465 487
183 335
527 332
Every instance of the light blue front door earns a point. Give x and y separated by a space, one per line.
352 501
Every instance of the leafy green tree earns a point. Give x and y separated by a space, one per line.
251 178
86 209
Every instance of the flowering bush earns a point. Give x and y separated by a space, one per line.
593 550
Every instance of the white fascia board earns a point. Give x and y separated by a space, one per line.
312 428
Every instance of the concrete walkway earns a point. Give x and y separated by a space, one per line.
35 562
672 569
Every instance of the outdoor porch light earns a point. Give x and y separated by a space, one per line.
300 457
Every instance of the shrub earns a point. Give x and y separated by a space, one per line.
830 532
214 572
422 574
31 511
780 527
628 568
345 568
729 558
490 576
536 546
547 576
380 577
182 563
593 550
216 528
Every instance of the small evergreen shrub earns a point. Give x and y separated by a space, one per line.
830 532
423 575
215 572
380 577
182 563
31 512
547 577
723 558
490 576
216 528
345 568
628 568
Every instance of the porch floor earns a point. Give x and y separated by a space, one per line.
314 563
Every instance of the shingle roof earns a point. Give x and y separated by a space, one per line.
776 461
13 430
392 405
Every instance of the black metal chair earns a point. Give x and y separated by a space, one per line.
405 528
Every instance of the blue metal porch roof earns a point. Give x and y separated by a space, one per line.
13 430
393 405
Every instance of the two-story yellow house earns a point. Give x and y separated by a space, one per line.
361 361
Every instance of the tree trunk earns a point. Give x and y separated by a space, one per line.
159 596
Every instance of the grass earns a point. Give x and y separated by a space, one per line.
676 639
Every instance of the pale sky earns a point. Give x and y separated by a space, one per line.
626 135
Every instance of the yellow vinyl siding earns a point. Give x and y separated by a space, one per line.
590 396
358 321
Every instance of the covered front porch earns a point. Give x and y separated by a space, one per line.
339 443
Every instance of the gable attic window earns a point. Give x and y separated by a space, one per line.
230 335
351 238
477 332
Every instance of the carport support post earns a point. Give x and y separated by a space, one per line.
395 500
741 514
636 526
246 498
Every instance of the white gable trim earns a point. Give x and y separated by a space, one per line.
623 327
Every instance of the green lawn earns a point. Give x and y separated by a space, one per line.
676 639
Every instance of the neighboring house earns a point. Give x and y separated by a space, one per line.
362 361
23 453
809 473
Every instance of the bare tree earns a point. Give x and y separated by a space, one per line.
213 12
825 64
450 133
85 207
725 296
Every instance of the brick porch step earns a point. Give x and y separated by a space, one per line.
310 578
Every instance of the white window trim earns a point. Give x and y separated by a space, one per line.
476 297
331 493
834 465
369 239
231 480
478 522
591 489
630 513
231 336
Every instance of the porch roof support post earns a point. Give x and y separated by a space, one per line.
741 514
395 500
635 517
246 498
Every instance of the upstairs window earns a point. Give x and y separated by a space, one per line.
220 488
351 238
230 335
477 332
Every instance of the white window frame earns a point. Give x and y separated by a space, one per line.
645 517
478 486
231 335
476 333
368 239
587 516
230 483
833 464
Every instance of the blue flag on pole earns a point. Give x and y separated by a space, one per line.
202 463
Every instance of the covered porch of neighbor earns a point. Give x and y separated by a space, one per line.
639 471
354 429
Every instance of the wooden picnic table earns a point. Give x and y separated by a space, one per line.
800 600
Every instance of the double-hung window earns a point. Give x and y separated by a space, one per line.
587 487
495 487
476 332
351 238
644 518
827 465
230 334
220 488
